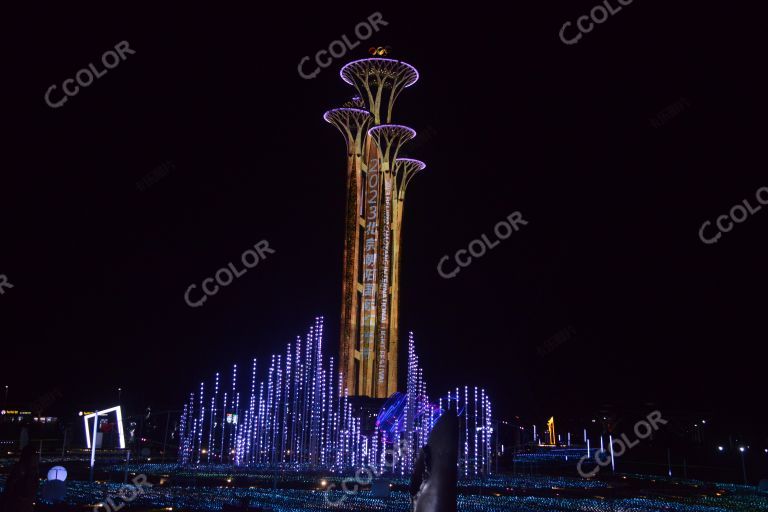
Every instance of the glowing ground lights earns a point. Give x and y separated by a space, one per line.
300 418
509 493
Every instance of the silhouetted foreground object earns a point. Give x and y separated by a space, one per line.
433 485
21 486
54 491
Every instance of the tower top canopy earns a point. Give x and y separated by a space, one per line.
386 72
389 138
348 112
406 169
411 164
352 123
392 130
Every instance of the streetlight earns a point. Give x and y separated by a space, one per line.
119 394
743 465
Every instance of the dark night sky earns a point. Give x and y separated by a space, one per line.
520 122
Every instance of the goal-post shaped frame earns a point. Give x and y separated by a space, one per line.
120 432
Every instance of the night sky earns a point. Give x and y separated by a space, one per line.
517 121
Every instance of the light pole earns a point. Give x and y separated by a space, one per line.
669 462
119 395
743 465
6 396
93 443
498 423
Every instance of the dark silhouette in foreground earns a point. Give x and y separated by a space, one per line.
433 484
21 486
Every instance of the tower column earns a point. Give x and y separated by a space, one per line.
349 286
404 170
389 138
353 123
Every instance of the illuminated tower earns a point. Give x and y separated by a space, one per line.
551 430
376 182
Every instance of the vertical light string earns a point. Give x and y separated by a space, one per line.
301 417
